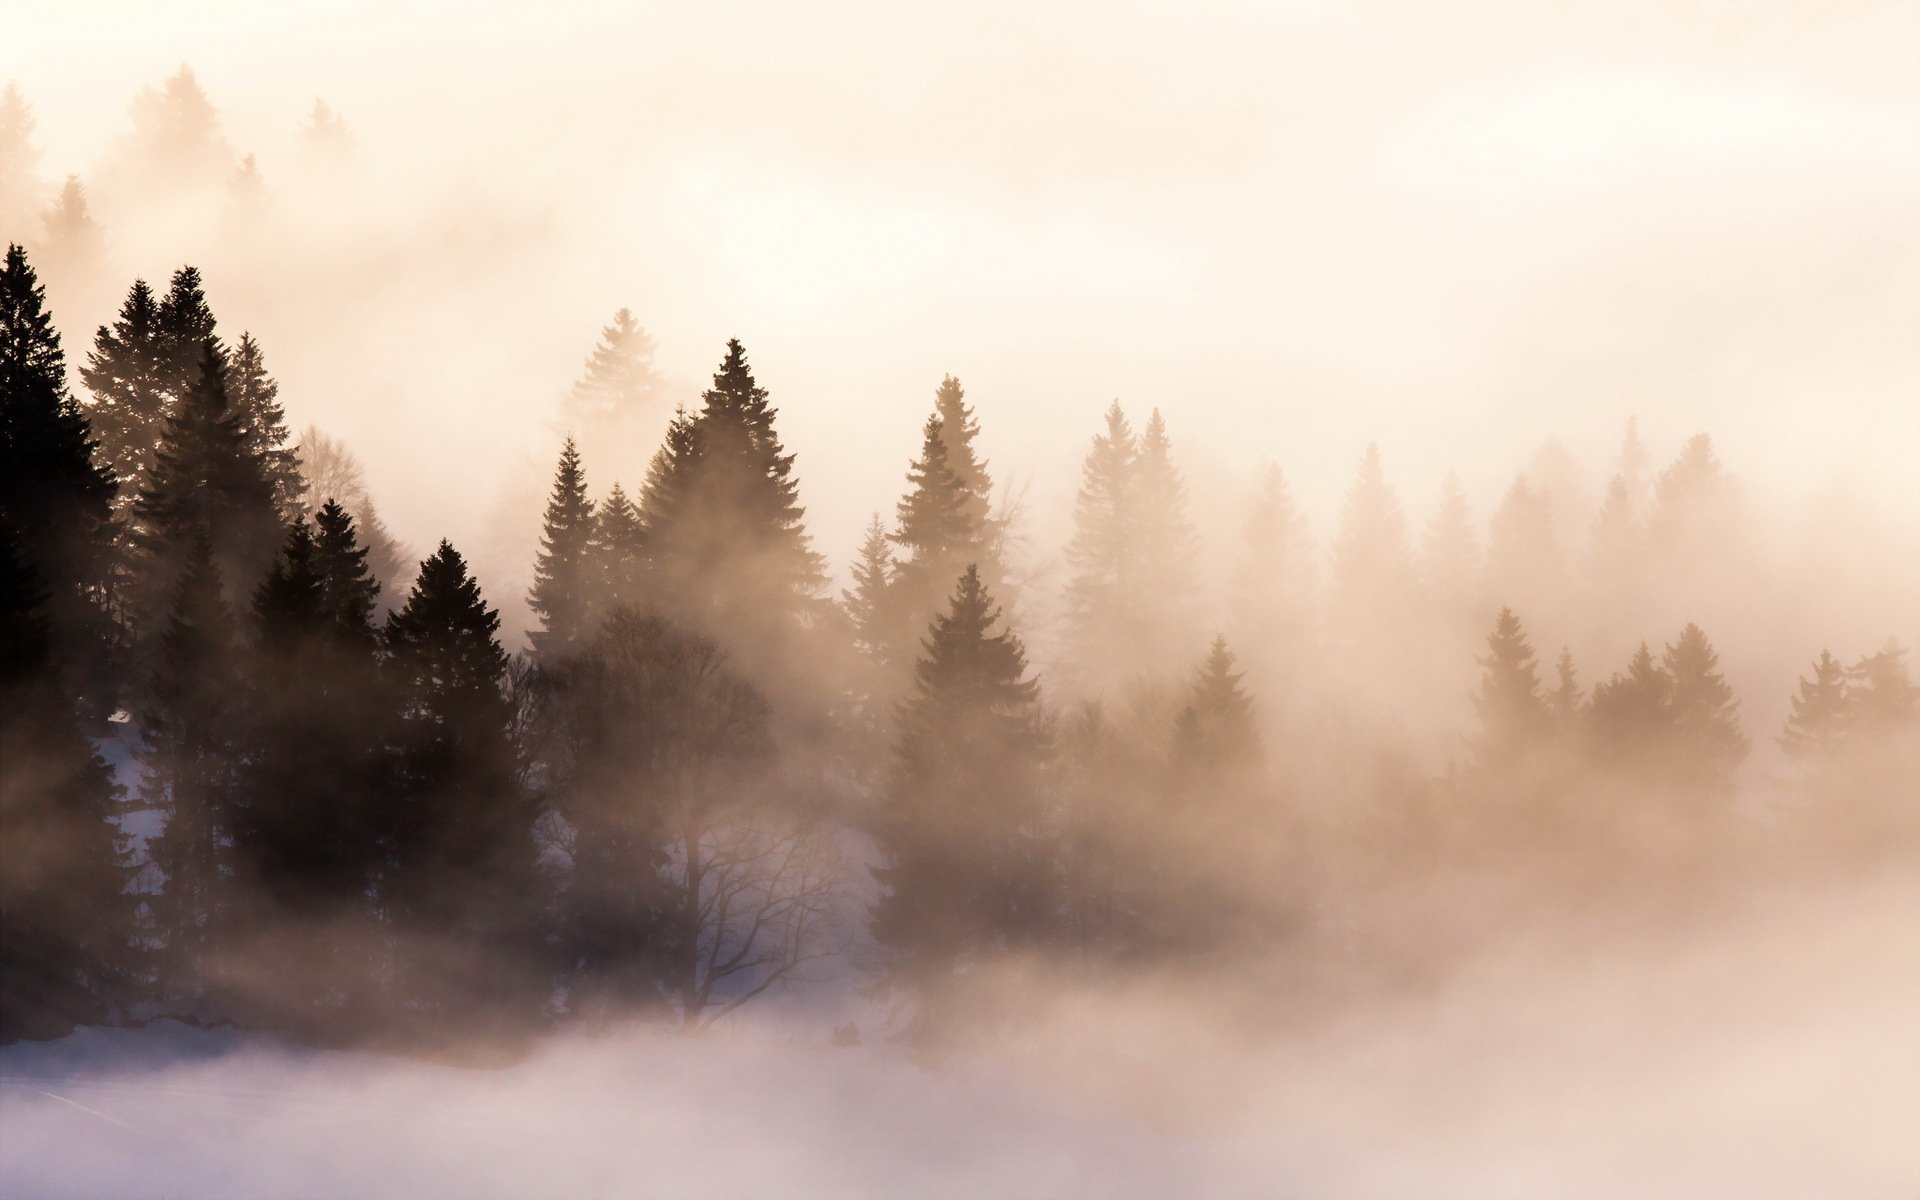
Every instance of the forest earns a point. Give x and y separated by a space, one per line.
264 765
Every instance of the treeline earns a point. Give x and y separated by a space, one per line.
369 819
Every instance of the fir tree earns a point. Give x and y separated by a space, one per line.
1565 705
126 374
1619 542
937 537
175 142
184 325
1214 737
255 398
1630 465
331 473
1523 553
1513 715
349 591
621 543
53 497
1450 566
965 861
1882 698
867 604
1271 595
206 483
190 758
1101 556
1631 714
325 144
1372 564
613 404
457 832
65 921
73 236
1168 551
19 185
1695 503
959 431
1708 745
1817 727
565 593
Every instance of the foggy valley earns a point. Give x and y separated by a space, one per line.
831 600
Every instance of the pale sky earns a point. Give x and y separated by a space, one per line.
1452 228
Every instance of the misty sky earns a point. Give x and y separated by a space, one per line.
1455 228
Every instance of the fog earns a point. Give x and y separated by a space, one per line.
1527 397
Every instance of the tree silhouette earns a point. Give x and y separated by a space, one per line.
566 590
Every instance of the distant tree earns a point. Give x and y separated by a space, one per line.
331 472
620 541
190 757
1514 718
616 401
1101 556
1709 745
1817 727
1695 503
255 398
959 431
1882 697
938 535
1169 551
324 142
1565 706
1630 466
65 921
965 860
127 374
1631 716
54 498
1373 567
1215 737
1617 562
1450 566
1272 591
73 237
175 142
1523 552
866 602
566 593
206 483
458 831
19 185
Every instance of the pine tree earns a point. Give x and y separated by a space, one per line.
189 754
175 142
1523 553
1271 595
1630 465
620 540
1882 698
1513 715
127 375
1619 543
1817 727
1695 503
73 236
612 406
1168 552
1372 564
457 832
1214 737
1708 744
937 537
19 185
349 590
566 592
726 539
959 430
65 921
255 397
53 496
867 604
184 325
1101 556
1450 567
331 473
1564 703
206 483
1631 715
962 835
325 144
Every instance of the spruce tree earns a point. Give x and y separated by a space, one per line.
959 431
331 473
1695 504
1271 595
127 376
53 496
1708 744
1214 737
612 405
206 483
349 590
1616 563
176 142
255 397
73 238
937 539
965 858
1882 698
1523 552
620 541
1105 575
1564 703
1816 729
184 324
19 185
65 921
1513 715
190 757
1450 566
1373 569
1168 553
1631 715
566 591
457 831
867 604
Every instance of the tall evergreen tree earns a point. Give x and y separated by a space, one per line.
190 758
73 237
255 397
1882 697
1214 737
65 920
175 142
1523 551
1271 595
1695 503
1372 562
937 537
127 375
1631 715
457 833
866 602
1565 705
331 473
349 590
566 591
1709 745
1513 715
1450 566
19 185
185 324
1816 729
1169 553
962 836
959 431
206 483
613 404
53 496
620 540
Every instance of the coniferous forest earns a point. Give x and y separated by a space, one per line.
270 763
